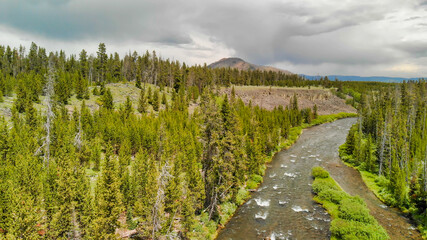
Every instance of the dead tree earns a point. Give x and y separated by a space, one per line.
383 140
49 113
162 182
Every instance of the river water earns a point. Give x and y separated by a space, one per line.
283 208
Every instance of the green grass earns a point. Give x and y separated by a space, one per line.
371 181
350 215
379 186
120 92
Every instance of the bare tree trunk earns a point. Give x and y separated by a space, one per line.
425 157
162 182
390 156
383 139
214 200
78 139
425 170
76 228
49 114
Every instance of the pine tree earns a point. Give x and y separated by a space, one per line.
107 100
315 115
102 62
108 198
164 101
128 109
142 102
156 100
177 80
95 91
81 87
150 96
233 94
187 212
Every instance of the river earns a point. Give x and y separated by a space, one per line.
283 208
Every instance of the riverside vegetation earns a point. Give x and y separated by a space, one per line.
389 147
147 168
351 218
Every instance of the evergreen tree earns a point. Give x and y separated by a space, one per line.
128 109
142 102
81 88
164 101
108 198
102 62
177 80
107 100
156 100
150 96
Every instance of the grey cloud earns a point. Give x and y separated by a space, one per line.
413 48
265 36
154 21
307 32
413 18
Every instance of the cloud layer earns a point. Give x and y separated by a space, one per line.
375 37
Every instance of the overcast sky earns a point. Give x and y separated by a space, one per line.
348 37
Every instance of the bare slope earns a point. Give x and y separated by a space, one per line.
268 98
240 64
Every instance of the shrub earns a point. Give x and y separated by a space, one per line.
242 195
256 178
251 184
351 218
345 229
226 211
353 209
319 172
333 195
382 181
321 184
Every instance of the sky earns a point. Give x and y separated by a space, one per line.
315 37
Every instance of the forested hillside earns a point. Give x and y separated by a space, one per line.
389 145
145 168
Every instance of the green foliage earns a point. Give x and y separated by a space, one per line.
107 100
105 165
164 101
95 91
156 100
351 218
226 211
354 209
322 184
142 102
242 195
108 198
345 229
332 195
319 172
81 87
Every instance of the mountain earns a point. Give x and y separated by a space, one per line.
362 79
240 64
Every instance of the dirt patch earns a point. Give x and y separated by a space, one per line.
269 98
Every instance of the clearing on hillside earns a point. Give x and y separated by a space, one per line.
270 97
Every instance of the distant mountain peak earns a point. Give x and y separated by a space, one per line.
240 64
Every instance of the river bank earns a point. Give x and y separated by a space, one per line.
285 195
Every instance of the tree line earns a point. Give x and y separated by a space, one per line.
390 140
117 170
